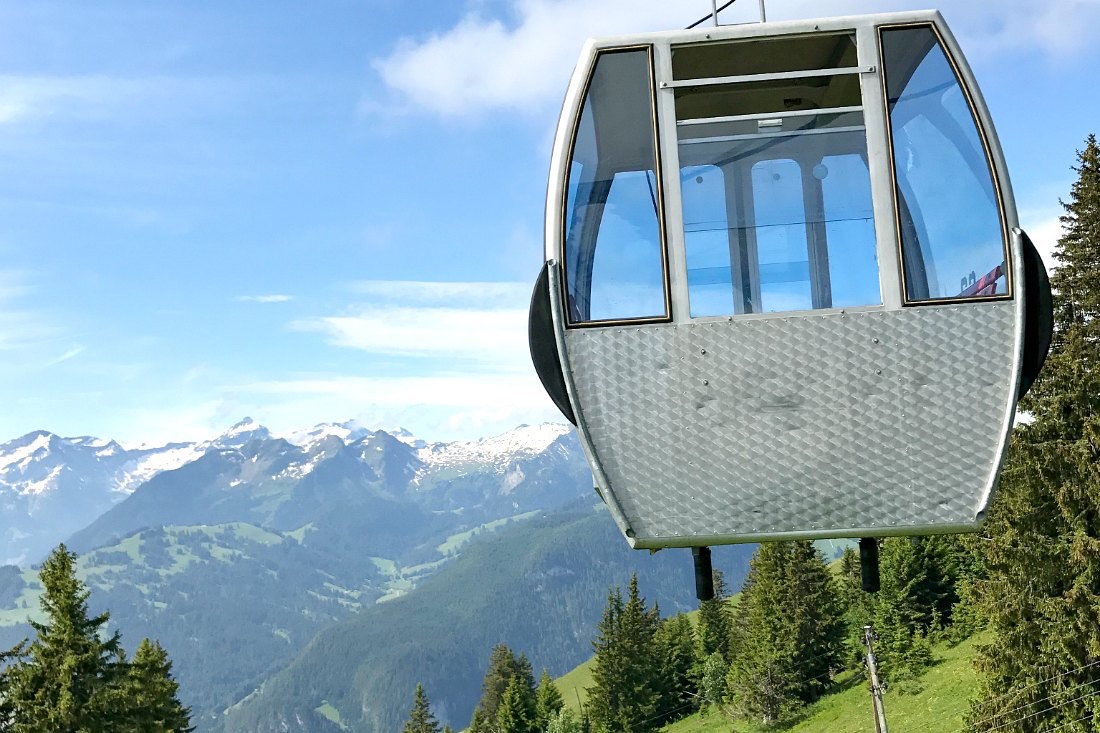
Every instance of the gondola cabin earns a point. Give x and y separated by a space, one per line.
785 292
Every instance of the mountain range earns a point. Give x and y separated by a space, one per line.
250 554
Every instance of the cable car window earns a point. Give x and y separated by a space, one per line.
796 193
953 242
782 248
614 249
849 229
706 241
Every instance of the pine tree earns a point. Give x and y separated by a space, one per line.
516 713
857 605
902 610
788 632
626 669
1042 594
676 649
503 666
715 623
7 708
712 686
564 722
548 702
421 719
149 693
70 678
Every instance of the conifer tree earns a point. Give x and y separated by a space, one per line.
564 722
714 623
857 605
626 669
788 632
902 610
149 692
1042 594
7 708
421 719
516 713
712 686
676 649
70 677
503 666
548 702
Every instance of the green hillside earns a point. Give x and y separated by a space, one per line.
934 703
538 587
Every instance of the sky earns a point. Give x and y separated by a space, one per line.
313 212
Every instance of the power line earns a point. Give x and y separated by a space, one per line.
1063 725
707 17
1052 707
1018 708
1036 684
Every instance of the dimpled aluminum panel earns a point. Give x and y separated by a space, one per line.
860 422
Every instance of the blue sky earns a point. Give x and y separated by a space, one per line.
333 210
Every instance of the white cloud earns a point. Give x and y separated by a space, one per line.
469 373
273 298
1045 229
490 337
483 64
444 406
70 354
444 293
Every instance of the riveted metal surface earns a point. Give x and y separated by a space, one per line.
874 422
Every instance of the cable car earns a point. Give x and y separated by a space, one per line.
786 294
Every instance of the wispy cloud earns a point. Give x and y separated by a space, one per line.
491 337
483 64
1045 229
443 293
273 298
70 354
466 346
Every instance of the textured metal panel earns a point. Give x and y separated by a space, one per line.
860 422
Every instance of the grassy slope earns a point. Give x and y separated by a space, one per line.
935 704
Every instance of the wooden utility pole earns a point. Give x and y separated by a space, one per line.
876 688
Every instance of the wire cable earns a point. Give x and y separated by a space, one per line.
1018 708
1052 707
708 16
1036 684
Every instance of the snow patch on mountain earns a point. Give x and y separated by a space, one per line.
168 458
21 456
500 451
34 488
348 432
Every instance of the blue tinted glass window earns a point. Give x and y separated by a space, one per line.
707 240
614 249
782 248
850 229
952 237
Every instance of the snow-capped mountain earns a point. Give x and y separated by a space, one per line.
51 487
500 451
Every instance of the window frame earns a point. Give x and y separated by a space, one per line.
563 224
990 161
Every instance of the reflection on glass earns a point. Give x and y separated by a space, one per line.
849 229
777 214
614 263
782 247
953 243
706 240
